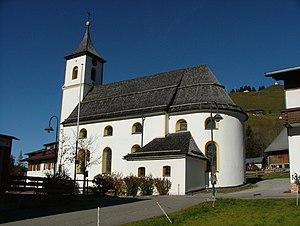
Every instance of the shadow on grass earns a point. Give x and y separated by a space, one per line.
49 205
253 180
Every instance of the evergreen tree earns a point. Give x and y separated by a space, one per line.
18 168
254 144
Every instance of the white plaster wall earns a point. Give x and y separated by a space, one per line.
292 99
229 139
154 127
195 174
70 64
155 167
120 143
70 99
232 154
294 154
71 87
40 173
88 69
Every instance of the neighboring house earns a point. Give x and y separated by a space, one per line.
41 162
291 114
161 124
255 112
278 151
5 159
255 163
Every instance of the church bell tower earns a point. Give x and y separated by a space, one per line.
84 70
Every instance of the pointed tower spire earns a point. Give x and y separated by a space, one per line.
84 70
86 46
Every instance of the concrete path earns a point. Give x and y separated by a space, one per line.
276 188
124 210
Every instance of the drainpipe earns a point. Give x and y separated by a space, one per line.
142 137
167 124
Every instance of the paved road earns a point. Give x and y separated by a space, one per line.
123 210
276 188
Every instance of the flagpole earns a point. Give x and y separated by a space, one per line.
77 126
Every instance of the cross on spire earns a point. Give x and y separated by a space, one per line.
88 19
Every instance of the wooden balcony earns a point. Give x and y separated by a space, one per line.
291 116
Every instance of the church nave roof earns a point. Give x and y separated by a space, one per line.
189 89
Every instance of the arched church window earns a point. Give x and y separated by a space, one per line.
108 131
82 134
134 148
211 152
141 171
106 161
75 73
166 171
181 125
93 74
210 123
137 128
81 161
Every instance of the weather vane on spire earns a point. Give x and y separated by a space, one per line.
88 20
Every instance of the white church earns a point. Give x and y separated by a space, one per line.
179 124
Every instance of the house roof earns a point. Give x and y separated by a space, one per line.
86 47
9 137
282 74
174 91
280 143
255 160
174 144
41 156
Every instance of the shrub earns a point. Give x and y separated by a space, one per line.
59 183
132 185
163 185
147 185
118 183
102 183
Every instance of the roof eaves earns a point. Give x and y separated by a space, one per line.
271 73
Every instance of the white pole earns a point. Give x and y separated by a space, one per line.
79 101
164 212
78 117
98 217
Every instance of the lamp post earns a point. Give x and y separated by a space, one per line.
49 129
216 118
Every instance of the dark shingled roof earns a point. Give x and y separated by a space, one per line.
174 91
174 144
86 47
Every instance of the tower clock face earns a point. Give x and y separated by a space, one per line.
94 62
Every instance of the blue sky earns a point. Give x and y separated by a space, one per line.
239 40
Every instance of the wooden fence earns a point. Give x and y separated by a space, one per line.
39 185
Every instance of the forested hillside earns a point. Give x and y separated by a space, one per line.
260 130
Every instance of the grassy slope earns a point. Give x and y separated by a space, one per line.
234 212
271 100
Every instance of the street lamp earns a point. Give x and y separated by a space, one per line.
49 129
216 118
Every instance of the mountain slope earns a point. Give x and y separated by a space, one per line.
267 126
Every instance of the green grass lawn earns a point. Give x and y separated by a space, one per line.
234 212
